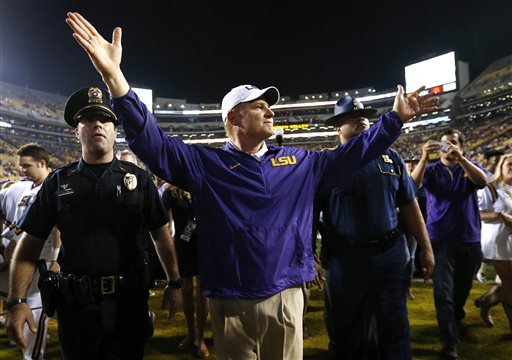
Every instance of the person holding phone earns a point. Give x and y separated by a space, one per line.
453 224
443 145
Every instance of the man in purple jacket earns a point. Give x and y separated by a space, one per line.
253 203
453 225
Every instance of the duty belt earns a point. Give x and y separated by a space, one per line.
383 242
107 285
85 289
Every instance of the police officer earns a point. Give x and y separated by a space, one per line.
105 210
364 253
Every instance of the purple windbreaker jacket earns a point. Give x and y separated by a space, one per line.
254 219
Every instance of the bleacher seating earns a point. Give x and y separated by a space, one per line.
482 110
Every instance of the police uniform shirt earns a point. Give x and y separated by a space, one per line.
104 221
364 208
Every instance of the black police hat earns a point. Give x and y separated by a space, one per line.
348 106
87 102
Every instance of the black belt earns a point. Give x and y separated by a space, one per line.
107 285
84 286
383 242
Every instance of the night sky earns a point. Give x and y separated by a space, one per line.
199 50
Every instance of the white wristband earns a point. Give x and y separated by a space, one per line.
55 253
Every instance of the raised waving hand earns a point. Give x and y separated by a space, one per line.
106 57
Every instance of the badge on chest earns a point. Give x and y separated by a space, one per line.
130 181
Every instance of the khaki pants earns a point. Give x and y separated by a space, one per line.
259 329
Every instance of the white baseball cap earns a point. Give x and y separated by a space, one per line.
245 93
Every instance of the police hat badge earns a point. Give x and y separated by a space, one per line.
130 181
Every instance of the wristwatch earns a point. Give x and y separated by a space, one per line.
13 302
175 284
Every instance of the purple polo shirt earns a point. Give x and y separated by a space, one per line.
452 205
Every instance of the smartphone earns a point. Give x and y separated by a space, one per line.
443 145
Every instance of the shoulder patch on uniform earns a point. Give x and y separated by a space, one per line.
386 158
65 189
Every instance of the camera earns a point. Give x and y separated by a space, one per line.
443 145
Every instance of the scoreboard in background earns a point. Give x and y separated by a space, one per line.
439 74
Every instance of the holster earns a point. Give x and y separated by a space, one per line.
49 287
65 289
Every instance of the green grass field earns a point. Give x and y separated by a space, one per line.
478 341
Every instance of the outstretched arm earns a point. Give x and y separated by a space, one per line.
372 142
105 56
166 157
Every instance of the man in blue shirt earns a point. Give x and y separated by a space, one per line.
453 225
253 203
365 254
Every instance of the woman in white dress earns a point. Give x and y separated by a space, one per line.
495 203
